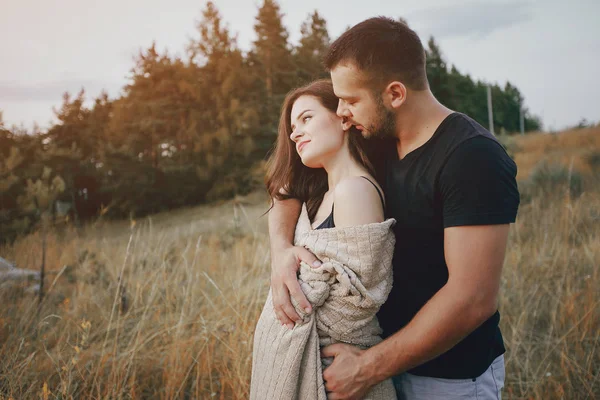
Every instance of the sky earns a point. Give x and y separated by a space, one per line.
549 49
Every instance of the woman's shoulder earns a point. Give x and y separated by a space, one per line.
356 185
357 202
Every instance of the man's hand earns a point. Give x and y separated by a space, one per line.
346 378
284 265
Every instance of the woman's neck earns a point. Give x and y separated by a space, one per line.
342 165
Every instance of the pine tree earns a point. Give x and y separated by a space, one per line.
73 123
10 159
272 49
227 77
437 74
215 40
154 115
222 67
272 65
314 42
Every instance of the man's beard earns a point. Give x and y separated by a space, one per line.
384 126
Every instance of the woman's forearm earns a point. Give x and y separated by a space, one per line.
285 259
282 223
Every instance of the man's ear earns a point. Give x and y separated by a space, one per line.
395 93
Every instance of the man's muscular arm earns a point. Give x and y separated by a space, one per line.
474 255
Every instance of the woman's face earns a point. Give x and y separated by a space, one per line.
316 131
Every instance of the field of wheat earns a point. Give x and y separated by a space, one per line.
164 307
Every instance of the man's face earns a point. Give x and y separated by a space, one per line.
359 105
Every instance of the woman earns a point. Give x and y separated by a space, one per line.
342 223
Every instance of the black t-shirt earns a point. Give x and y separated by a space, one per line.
461 176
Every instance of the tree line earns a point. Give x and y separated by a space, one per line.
191 129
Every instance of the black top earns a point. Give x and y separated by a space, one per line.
461 176
329 223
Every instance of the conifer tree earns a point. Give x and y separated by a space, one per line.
313 45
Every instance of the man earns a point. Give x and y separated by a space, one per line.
453 193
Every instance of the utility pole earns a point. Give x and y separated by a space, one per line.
490 111
521 120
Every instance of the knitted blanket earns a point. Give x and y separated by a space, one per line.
346 292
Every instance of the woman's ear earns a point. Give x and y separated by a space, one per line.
395 92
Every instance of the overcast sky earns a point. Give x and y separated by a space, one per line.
549 49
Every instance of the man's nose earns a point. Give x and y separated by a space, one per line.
342 111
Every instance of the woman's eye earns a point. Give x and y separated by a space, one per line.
305 118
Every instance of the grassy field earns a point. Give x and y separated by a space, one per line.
165 307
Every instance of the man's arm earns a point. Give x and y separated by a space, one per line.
475 255
285 260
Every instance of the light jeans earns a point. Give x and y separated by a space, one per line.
485 387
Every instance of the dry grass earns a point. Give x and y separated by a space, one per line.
550 300
567 148
179 325
165 307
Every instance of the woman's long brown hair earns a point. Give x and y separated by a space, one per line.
288 178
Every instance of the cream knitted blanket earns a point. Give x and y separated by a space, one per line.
346 292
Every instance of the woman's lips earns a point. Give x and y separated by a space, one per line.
301 145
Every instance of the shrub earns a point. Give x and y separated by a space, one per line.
549 180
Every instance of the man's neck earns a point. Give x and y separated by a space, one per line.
418 120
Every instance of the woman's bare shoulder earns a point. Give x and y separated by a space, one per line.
356 203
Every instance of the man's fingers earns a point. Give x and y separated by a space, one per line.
308 257
330 351
331 395
298 295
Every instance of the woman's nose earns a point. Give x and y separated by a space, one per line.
296 134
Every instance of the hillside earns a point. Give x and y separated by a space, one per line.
165 306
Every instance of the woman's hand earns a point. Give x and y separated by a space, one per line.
284 282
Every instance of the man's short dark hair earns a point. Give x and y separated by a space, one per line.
383 49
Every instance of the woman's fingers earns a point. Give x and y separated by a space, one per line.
306 256
283 267
302 255
284 283
281 300
278 306
296 292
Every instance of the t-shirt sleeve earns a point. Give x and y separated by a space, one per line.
478 185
